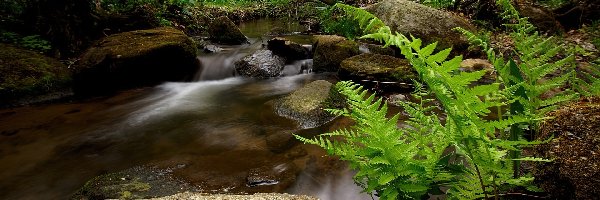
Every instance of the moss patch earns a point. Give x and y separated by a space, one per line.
26 73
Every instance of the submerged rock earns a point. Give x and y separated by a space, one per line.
223 31
257 196
429 24
330 50
575 150
306 104
133 183
288 49
26 74
133 59
284 173
377 68
261 64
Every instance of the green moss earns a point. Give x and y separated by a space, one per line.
24 72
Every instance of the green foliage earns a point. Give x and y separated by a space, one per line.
537 60
349 21
438 3
31 42
463 154
589 84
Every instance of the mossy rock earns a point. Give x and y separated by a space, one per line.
330 51
305 105
223 31
27 74
376 67
574 172
135 59
134 183
429 24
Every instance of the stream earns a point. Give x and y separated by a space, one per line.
209 134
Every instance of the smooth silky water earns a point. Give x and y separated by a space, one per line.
213 131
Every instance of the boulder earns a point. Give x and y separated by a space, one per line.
429 24
261 64
330 50
540 17
223 31
377 49
470 65
134 59
134 183
26 74
376 67
305 105
574 149
288 49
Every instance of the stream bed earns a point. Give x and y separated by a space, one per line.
211 134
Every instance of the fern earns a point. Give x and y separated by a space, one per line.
589 84
349 21
407 162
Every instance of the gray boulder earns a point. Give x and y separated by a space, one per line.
223 31
305 105
330 50
423 22
261 64
135 59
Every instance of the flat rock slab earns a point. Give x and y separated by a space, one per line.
258 196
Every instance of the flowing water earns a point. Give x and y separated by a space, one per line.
209 133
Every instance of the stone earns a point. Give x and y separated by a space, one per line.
305 105
376 67
470 65
257 196
134 183
280 141
429 24
330 50
261 64
26 74
377 49
543 19
223 31
574 172
288 49
135 59
283 173
211 48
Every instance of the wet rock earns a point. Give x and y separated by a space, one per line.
575 150
429 24
135 59
470 65
133 183
396 99
377 49
261 64
305 105
26 74
540 17
284 173
288 49
330 51
223 31
377 67
211 48
276 31
257 196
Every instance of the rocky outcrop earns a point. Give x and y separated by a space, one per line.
223 31
330 50
261 64
540 17
305 105
133 183
257 196
423 22
575 150
288 49
26 74
376 67
134 59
